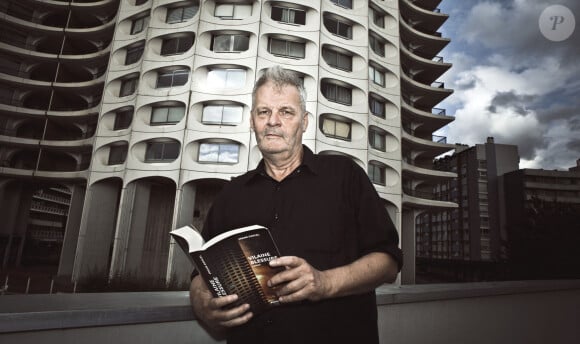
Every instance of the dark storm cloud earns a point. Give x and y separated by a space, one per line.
510 100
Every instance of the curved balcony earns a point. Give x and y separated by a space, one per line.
424 200
420 43
427 121
421 69
423 96
425 20
413 171
426 148
430 5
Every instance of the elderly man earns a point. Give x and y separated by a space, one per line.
335 236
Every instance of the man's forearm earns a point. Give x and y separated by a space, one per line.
362 275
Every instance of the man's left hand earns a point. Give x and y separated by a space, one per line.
300 281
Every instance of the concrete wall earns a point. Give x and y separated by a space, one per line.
505 312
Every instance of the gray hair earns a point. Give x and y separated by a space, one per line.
281 77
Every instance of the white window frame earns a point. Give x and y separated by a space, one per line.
337 59
221 157
337 129
166 153
288 15
289 47
232 41
175 78
232 11
167 111
222 109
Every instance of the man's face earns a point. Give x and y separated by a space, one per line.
277 119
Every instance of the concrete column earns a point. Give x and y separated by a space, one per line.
123 229
408 246
93 249
179 267
71 234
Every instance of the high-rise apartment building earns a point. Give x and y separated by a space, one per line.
140 108
542 222
467 243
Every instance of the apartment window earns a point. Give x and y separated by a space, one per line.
138 25
378 140
230 43
162 115
176 77
343 3
226 78
289 15
140 2
176 45
377 76
377 107
337 60
123 118
281 47
233 11
161 151
117 154
376 173
222 114
128 87
219 152
377 17
377 45
338 27
181 14
337 93
134 52
336 129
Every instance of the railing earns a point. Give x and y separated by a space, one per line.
495 312
439 139
439 112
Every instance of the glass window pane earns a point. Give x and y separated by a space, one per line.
173 15
222 43
277 46
277 13
297 49
175 114
180 77
208 152
299 17
171 151
154 151
241 43
229 153
328 127
212 114
224 10
236 78
164 80
232 114
242 11
159 115
342 129
169 46
217 78
189 12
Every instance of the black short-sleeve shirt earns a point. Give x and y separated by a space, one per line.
327 212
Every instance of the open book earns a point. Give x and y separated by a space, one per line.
234 262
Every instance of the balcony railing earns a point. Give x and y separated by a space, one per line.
492 312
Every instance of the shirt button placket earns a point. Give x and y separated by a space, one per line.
277 199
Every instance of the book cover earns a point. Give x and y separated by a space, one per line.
234 262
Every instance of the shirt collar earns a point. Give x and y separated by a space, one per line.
309 163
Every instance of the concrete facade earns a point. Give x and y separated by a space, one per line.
163 121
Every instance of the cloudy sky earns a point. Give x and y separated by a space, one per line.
511 82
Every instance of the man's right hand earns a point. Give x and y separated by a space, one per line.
211 311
